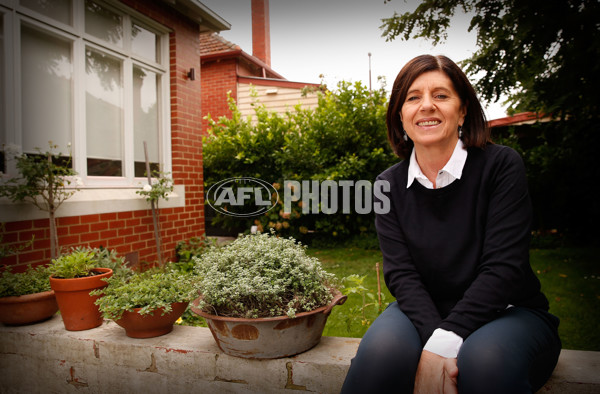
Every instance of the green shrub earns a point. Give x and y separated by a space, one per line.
261 275
186 250
33 280
149 290
344 138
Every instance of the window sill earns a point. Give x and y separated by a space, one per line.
90 201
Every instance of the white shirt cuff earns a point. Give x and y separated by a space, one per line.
444 343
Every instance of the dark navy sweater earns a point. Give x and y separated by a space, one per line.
456 257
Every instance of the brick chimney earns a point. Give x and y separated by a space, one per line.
261 32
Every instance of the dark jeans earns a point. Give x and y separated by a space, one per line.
516 353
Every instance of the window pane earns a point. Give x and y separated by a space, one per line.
59 10
104 114
145 118
144 42
103 23
46 72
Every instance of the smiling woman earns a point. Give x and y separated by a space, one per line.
432 116
469 314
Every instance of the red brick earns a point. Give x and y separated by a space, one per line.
95 227
125 215
18 226
68 221
90 219
80 229
90 237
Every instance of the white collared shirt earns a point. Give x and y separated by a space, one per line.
451 171
442 342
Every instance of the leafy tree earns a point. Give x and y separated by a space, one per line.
542 54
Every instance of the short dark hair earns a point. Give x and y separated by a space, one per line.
475 128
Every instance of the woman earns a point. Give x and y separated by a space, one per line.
469 315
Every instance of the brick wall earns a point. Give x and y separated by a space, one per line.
217 78
133 232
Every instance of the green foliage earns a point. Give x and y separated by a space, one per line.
186 250
104 258
570 279
539 54
73 265
560 159
43 181
261 275
81 261
33 280
161 186
355 284
356 316
343 138
148 290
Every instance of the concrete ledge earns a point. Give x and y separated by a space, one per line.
45 358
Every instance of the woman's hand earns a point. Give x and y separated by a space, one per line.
436 374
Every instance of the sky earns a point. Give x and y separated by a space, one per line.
333 38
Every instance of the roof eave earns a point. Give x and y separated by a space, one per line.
198 12
238 53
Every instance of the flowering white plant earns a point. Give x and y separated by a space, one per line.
261 275
161 186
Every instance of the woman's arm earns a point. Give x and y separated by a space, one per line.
504 264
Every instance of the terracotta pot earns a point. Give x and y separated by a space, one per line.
151 325
76 306
27 309
272 337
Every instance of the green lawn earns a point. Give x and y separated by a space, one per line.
570 279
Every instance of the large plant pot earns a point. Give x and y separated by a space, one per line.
272 337
27 309
151 325
76 305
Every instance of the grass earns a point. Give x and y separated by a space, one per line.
570 278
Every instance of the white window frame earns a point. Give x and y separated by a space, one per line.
107 194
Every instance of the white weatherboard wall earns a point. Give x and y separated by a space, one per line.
274 98
45 358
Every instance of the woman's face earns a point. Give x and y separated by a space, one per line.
432 111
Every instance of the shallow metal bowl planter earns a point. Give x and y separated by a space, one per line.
271 337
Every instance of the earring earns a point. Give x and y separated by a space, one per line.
460 133
405 137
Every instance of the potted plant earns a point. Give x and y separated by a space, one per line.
146 304
73 276
264 297
26 297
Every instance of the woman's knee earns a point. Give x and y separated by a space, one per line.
387 357
511 354
391 338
